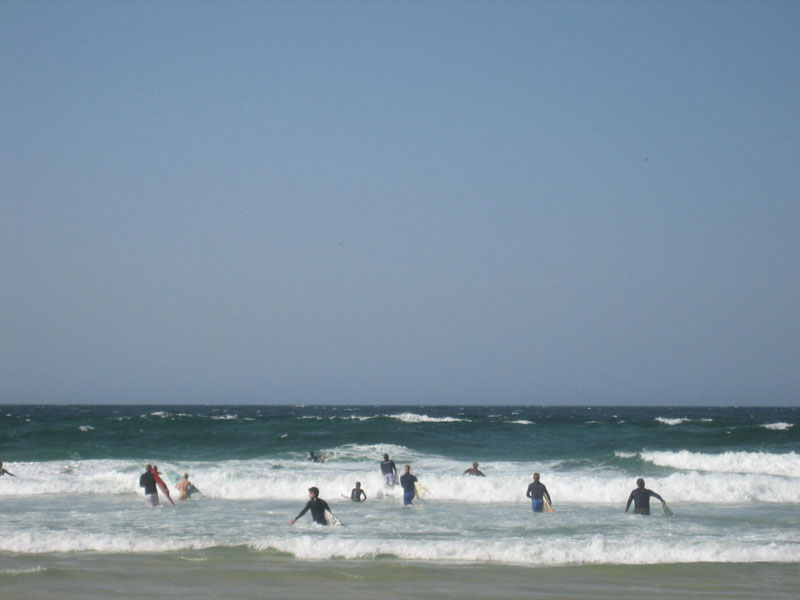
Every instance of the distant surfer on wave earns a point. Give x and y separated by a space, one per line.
537 492
389 472
407 481
316 457
4 472
356 494
316 505
641 498
474 471
148 482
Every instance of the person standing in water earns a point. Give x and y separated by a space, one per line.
389 472
407 481
641 498
316 505
537 492
4 472
474 471
356 494
161 484
185 487
148 482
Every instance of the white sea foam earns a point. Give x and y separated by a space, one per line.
786 465
24 571
598 549
621 454
778 426
86 428
726 478
521 422
415 418
330 544
672 421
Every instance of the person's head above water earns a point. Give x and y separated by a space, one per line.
358 484
314 492
385 457
475 465
186 476
407 468
148 467
536 477
640 482
155 469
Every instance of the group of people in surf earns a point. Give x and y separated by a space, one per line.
151 481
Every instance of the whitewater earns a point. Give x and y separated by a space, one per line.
732 481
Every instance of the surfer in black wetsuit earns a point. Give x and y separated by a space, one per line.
317 505
316 458
148 482
474 470
4 472
641 498
389 471
357 493
537 492
407 481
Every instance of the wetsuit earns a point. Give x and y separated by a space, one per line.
407 481
473 471
4 472
318 507
148 482
356 494
389 471
537 491
641 500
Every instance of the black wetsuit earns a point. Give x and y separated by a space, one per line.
641 500
474 471
318 507
537 491
356 494
388 466
407 482
148 482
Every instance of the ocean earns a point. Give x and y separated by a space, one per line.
75 523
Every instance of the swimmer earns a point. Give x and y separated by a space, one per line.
4 472
474 471
316 457
185 488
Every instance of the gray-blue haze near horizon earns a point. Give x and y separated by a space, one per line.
406 202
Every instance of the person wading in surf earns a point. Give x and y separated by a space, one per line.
641 498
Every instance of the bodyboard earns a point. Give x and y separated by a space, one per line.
420 489
666 510
331 519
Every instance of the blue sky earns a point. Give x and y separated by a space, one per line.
406 202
